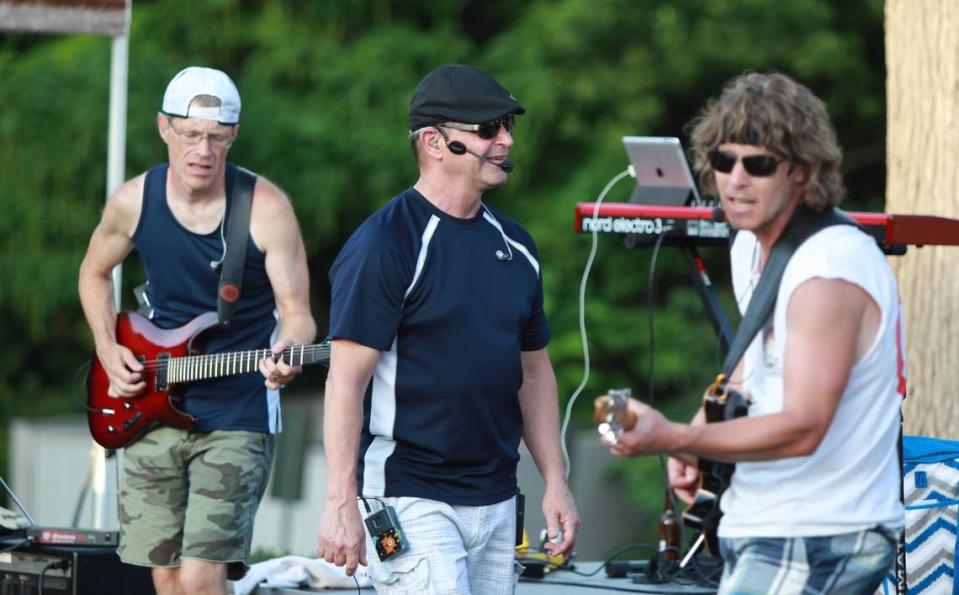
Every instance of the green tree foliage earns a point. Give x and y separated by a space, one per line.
325 89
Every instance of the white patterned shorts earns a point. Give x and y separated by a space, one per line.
459 550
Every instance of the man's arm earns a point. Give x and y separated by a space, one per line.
540 407
831 324
341 537
274 228
109 244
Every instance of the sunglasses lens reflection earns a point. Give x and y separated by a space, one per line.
722 162
760 165
490 129
755 165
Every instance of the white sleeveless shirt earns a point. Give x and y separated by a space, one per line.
851 482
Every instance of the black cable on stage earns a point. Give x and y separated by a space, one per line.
665 571
651 330
594 587
611 557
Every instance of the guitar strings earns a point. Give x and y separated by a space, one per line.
158 364
199 360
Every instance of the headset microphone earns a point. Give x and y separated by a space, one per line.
719 215
458 148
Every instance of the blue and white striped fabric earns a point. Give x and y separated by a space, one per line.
931 484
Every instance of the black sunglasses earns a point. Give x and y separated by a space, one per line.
759 166
488 129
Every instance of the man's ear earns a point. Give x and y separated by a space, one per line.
799 174
430 138
163 126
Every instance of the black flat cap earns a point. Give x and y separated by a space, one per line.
459 93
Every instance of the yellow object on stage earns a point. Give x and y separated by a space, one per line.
537 561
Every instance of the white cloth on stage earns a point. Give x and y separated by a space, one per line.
297 571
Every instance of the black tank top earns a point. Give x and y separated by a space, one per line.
183 285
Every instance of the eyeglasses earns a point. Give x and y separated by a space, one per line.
487 129
194 137
759 166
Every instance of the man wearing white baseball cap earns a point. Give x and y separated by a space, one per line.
189 497
194 81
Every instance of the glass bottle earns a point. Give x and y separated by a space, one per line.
669 529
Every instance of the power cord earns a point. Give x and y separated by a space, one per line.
651 330
63 564
657 571
699 572
366 504
611 557
629 171
668 569
665 569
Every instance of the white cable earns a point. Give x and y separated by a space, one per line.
582 313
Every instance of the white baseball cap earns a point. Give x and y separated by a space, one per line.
198 80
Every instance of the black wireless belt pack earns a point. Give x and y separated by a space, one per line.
384 529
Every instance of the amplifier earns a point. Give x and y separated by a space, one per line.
63 536
70 570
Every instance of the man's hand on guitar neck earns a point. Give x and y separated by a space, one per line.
651 434
123 369
277 372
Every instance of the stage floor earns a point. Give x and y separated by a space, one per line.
558 582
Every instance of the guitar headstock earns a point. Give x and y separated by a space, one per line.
612 415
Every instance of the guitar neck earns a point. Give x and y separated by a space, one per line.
218 365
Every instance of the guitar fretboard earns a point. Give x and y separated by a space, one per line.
216 365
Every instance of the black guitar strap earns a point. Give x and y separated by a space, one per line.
801 227
237 236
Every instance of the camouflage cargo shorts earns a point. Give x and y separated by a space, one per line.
192 495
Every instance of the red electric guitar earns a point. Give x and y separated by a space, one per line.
169 359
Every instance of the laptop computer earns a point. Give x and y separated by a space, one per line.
663 176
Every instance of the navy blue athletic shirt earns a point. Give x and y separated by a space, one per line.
452 304
183 285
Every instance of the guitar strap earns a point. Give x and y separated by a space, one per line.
801 227
237 236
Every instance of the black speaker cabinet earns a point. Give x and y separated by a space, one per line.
70 570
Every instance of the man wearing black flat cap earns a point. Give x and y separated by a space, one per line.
439 364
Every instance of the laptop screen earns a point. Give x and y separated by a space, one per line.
663 176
